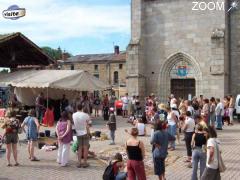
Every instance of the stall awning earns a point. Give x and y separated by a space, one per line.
77 80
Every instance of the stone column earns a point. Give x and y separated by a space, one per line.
135 62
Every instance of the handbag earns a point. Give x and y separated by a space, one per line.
221 165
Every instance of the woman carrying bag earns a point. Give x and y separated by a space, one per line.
214 163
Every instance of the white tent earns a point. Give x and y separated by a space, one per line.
53 83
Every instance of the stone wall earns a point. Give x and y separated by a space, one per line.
235 52
105 71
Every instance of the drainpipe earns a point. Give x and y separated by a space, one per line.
229 47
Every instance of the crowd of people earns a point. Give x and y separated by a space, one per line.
198 119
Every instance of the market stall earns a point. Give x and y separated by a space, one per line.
53 83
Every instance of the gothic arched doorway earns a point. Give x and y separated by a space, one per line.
180 75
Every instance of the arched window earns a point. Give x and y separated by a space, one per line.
115 77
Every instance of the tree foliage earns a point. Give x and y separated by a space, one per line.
56 54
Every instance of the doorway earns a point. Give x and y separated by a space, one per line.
183 88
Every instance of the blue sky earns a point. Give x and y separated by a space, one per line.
78 26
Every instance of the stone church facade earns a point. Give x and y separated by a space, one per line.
175 49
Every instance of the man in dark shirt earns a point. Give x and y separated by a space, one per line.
63 103
40 108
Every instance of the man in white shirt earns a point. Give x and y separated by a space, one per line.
125 101
173 100
81 122
189 130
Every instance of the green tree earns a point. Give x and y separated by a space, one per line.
56 54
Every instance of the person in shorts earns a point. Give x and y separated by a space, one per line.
81 122
11 127
32 133
125 101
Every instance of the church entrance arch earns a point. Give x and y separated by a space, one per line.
180 75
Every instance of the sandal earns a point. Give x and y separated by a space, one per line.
9 165
79 166
35 159
16 164
85 165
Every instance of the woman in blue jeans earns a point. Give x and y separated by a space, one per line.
199 153
172 127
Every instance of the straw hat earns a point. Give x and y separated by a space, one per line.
162 106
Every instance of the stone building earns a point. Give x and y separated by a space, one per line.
175 49
110 68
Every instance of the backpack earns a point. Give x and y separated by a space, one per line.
109 172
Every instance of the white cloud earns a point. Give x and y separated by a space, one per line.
50 20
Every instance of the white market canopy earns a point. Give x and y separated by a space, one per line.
76 80
29 83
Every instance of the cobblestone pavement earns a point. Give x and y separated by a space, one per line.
47 168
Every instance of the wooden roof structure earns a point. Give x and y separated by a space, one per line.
17 50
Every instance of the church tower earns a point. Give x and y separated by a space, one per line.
181 47
234 30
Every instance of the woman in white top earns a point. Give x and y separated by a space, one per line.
211 171
172 127
188 131
141 128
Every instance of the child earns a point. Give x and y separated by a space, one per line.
112 125
118 167
131 119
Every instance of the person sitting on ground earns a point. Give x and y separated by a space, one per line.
141 127
118 167
112 125
131 118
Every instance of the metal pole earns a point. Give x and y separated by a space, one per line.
47 97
